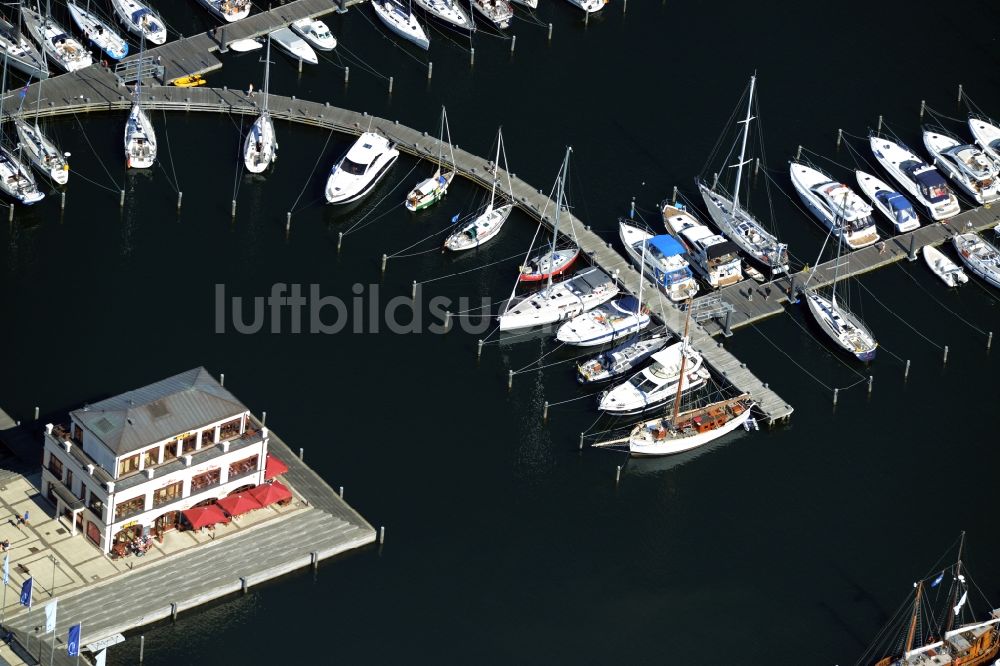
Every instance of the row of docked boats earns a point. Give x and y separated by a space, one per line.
398 15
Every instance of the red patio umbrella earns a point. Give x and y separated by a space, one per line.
273 467
203 516
237 505
269 493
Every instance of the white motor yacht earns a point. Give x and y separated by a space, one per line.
316 33
896 208
836 205
655 385
980 257
716 259
987 135
664 261
294 46
969 167
606 323
360 169
923 182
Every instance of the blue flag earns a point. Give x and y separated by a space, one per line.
6 569
937 581
73 641
24 91
26 593
455 217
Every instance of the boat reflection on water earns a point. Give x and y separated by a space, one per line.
642 466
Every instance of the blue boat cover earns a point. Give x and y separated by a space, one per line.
931 178
138 14
667 245
627 303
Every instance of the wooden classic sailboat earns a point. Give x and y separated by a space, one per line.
430 190
936 640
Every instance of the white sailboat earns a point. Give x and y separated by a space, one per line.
360 169
140 137
449 12
294 45
141 20
63 49
920 179
739 225
41 152
316 33
16 180
558 301
530 4
21 54
486 224
589 6
655 385
716 259
228 10
840 324
260 149
402 21
98 31
896 208
497 12
946 269
836 205
430 190
987 135
664 263
968 166
552 260
980 257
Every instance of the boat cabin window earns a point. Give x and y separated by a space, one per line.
353 167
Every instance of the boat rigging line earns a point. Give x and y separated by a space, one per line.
896 315
322 153
392 41
83 133
357 226
471 270
166 133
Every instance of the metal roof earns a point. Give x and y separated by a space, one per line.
136 419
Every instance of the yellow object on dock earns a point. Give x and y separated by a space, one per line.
189 81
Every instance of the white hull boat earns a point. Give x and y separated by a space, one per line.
987 136
979 257
657 384
20 52
621 359
548 263
140 139
294 45
316 33
41 152
228 10
402 21
260 148
748 234
716 259
589 6
606 323
431 190
946 269
16 180
664 262
530 4
896 208
968 166
449 12
245 45
360 169
690 430
836 205
497 12
842 326
560 301
98 32
924 183
141 20
63 49
483 227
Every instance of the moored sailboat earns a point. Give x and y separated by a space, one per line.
430 190
486 224
141 20
401 20
449 12
16 180
58 45
554 259
140 137
21 54
497 12
98 31
260 149
42 153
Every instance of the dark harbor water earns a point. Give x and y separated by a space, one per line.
504 542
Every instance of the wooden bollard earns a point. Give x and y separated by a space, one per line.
513 42
631 211
222 379
870 380
447 320
341 492
945 362
300 65
479 348
263 418
173 612
180 197
879 125
715 180
673 199
756 168
906 371
836 392
340 240
798 153
545 411
385 258
923 105
959 93
302 453
121 199
36 413
510 379
243 584
142 647
618 475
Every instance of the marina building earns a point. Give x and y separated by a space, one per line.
130 465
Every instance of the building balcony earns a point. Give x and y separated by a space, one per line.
60 434
72 502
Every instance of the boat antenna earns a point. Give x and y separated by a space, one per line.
680 377
743 147
954 594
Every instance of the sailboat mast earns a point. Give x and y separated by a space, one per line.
680 377
496 168
440 140
38 98
267 73
913 621
838 223
642 281
560 191
743 147
954 594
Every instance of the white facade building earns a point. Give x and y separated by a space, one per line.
131 464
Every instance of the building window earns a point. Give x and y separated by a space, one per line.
69 479
128 465
55 466
96 505
208 436
94 533
242 467
188 442
230 429
130 507
169 451
206 480
167 494
151 457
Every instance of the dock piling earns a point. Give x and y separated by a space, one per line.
959 93
581 441
673 199
62 201
798 153
586 19
381 535
510 379
36 413
302 453
479 349
341 492
840 137
314 560
180 197
413 291
945 361
340 240
726 330
347 75
430 70
870 380
906 371
879 130
288 221
243 584
390 85
472 56
121 199
385 258
923 105
618 475
513 42
233 213
912 255
631 210
545 412
447 320
836 392
300 65
10 217
715 180
222 379
263 418
173 612
142 647
756 168
550 32
989 341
